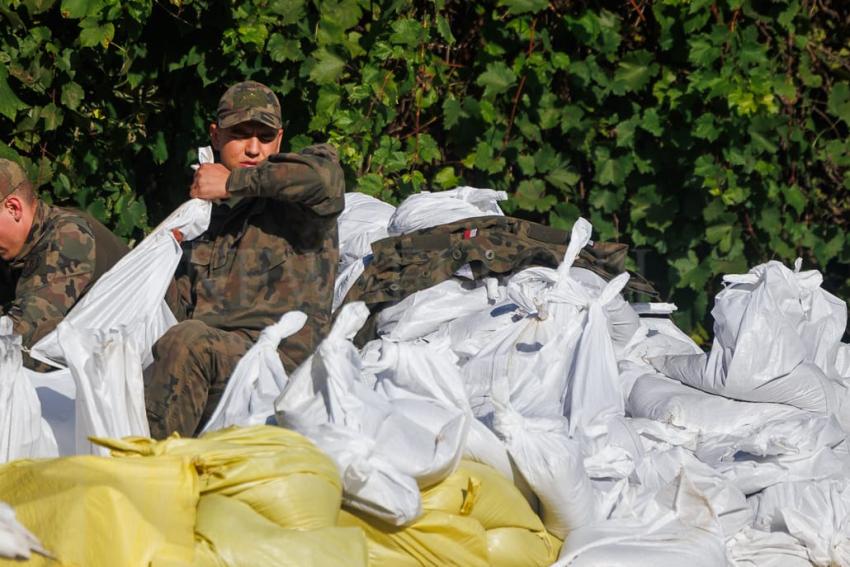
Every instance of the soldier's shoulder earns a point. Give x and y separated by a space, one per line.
70 233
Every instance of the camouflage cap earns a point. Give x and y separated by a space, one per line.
12 176
247 101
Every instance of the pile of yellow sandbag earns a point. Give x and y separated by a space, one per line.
254 497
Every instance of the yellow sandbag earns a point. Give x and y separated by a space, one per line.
484 494
436 539
278 472
102 512
238 536
519 547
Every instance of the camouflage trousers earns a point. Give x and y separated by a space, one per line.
192 364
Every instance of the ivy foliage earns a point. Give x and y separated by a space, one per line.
708 134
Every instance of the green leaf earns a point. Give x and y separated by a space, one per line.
531 195
281 49
159 148
445 30
563 178
446 178
524 6
497 79
10 104
72 95
838 103
371 184
328 67
93 33
78 9
452 112
52 116
633 72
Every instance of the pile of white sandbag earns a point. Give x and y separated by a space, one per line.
634 445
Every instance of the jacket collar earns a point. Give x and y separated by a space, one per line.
36 233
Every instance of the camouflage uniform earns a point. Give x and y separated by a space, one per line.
491 246
65 252
269 249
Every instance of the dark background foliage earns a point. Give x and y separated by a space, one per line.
709 135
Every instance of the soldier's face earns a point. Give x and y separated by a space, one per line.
13 227
246 144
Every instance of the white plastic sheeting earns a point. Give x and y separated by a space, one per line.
23 432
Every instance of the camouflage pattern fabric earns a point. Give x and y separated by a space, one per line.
249 101
491 246
192 363
12 176
270 249
65 253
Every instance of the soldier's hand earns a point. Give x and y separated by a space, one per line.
210 182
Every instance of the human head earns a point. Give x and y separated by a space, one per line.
17 208
248 128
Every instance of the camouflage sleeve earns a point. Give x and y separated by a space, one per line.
53 279
311 178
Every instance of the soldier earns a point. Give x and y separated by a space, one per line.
50 257
271 247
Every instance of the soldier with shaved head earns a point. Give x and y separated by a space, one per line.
271 247
50 257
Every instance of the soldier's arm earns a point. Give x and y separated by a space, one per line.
311 178
53 282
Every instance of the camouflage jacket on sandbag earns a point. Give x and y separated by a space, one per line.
66 251
271 248
490 246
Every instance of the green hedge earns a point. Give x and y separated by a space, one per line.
709 135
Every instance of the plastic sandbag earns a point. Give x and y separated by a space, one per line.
656 397
277 472
363 221
107 371
382 447
678 529
23 432
131 294
57 394
258 378
776 340
16 542
105 511
424 210
435 539
755 548
423 312
236 535
816 513
552 465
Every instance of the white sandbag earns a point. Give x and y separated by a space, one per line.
623 321
424 210
552 465
424 312
798 449
363 221
816 513
362 216
776 340
679 528
382 447
756 548
107 371
428 370
655 397
23 432
57 395
727 502
131 294
257 380
16 542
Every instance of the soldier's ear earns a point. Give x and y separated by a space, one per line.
14 206
215 142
